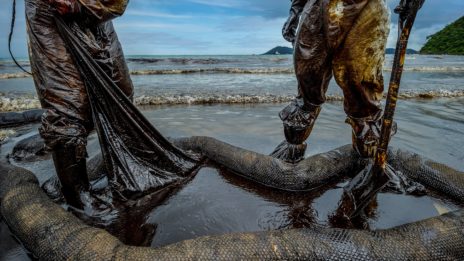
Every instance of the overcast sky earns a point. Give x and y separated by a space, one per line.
217 26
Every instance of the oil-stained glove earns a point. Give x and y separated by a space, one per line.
407 7
291 25
65 7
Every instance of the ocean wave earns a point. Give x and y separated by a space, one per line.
264 70
217 70
4 76
6 134
280 70
431 69
178 60
269 98
21 103
210 99
424 94
18 104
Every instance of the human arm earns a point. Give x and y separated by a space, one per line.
406 7
102 10
105 10
291 25
65 7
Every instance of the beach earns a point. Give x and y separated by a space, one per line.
237 99
238 79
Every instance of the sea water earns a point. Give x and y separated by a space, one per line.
237 99
239 79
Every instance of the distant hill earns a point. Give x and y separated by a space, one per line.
450 40
279 50
408 51
286 50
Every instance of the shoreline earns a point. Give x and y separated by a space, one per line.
231 70
13 104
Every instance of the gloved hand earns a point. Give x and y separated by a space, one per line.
406 7
65 7
290 27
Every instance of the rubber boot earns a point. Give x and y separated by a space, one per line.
298 120
366 137
72 173
366 134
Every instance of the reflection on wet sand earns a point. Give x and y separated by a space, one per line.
217 202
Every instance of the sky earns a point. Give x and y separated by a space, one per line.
203 27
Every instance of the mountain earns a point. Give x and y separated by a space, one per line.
408 51
279 50
286 50
450 40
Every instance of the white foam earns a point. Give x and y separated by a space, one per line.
23 103
18 104
6 134
278 70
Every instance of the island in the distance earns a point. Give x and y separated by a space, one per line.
279 50
450 40
408 51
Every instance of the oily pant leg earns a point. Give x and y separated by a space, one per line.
58 83
120 74
357 64
59 86
323 28
312 58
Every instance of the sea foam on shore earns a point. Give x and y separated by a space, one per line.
25 103
18 103
6 134
264 70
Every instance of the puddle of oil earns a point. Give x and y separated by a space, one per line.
217 202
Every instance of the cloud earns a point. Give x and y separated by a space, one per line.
418 36
144 13
161 43
230 3
218 26
434 12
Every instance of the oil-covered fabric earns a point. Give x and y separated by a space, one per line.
59 85
137 157
105 10
291 26
345 39
51 233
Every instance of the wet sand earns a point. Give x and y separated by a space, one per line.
217 202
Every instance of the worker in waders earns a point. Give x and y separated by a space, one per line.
67 121
345 39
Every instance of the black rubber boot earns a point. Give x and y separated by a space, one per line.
366 138
72 173
298 119
366 134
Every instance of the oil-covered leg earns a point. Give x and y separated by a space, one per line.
72 173
357 69
313 70
67 138
298 124
366 134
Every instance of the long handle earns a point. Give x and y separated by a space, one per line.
375 177
408 11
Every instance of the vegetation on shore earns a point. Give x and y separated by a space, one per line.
450 40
